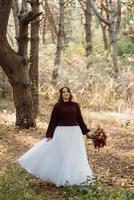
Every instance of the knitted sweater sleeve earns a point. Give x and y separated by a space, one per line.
80 119
53 121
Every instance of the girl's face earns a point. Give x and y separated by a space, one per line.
65 93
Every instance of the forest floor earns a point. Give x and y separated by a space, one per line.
113 165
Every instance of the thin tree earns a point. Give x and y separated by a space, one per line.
113 24
59 42
104 11
86 7
34 57
49 21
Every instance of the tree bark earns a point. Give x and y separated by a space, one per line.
34 57
17 73
14 66
60 33
59 42
113 33
104 27
44 30
105 41
51 21
88 19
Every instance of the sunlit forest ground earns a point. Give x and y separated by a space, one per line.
113 166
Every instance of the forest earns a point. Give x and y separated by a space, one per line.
88 46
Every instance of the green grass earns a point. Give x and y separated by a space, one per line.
6 103
17 184
125 46
97 191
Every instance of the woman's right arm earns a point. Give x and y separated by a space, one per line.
52 122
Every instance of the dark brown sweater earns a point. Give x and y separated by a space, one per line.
66 114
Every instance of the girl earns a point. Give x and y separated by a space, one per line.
61 156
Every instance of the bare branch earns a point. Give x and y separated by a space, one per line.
97 13
105 7
83 1
27 17
38 20
80 2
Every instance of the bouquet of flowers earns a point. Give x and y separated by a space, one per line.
99 137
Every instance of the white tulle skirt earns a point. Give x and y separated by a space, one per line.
61 160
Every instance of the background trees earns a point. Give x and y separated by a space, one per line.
82 43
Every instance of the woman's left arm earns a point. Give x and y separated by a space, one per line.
82 124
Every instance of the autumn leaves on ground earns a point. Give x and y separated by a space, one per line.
113 165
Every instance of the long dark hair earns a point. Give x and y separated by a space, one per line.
61 91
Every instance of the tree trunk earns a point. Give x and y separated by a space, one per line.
59 42
113 34
60 33
23 103
18 77
88 19
108 13
44 30
105 41
49 22
15 65
34 57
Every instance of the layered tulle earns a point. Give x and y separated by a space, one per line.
62 160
